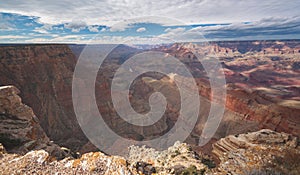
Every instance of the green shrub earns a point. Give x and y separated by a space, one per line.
192 170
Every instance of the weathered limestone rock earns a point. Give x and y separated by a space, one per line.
39 162
174 160
264 150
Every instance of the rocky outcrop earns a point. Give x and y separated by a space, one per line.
175 160
261 151
178 159
43 73
20 130
39 162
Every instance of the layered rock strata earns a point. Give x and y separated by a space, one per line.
20 130
264 151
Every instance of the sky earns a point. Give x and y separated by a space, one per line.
147 22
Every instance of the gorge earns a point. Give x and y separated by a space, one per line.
262 83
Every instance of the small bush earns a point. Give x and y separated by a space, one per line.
209 163
192 170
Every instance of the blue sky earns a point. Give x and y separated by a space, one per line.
123 21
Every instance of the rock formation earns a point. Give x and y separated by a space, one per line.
262 151
262 87
39 162
43 73
176 158
262 82
20 130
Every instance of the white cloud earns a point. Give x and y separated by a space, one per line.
40 30
176 30
110 12
76 26
274 28
174 34
128 23
12 37
44 29
57 39
90 39
5 23
119 27
93 29
58 28
142 29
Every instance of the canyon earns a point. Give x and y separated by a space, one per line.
261 152
262 92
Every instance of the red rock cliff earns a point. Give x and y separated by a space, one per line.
44 75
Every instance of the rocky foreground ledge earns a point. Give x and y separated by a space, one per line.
261 152
26 149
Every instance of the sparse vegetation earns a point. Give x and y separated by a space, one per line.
192 170
209 163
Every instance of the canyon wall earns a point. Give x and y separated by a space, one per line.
20 130
262 87
262 80
44 75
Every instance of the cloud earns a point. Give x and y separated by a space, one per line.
76 26
40 30
54 21
57 39
173 33
119 27
12 37
93 28
129 23
6 26
6 23
109 12
44 29
83 39
142 29
176 30
266 28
